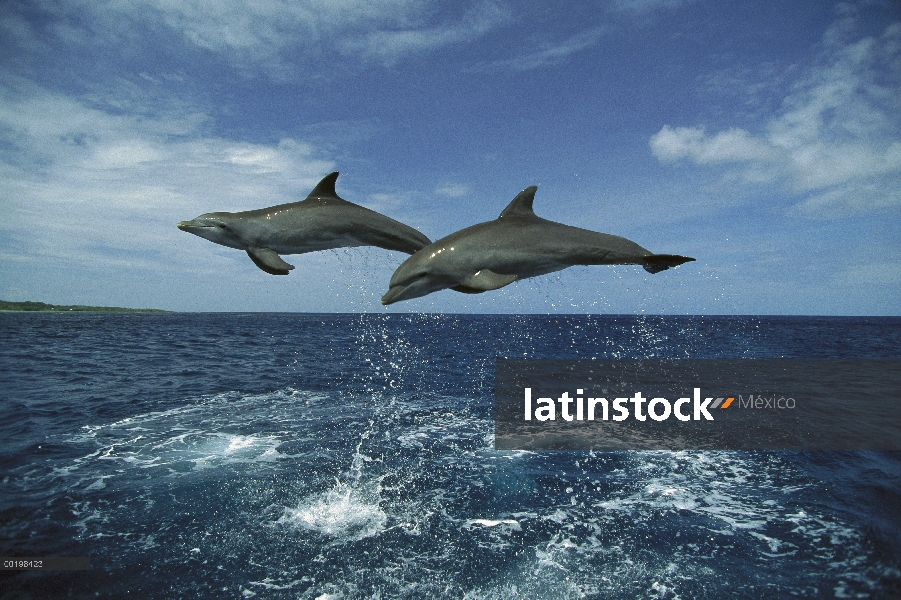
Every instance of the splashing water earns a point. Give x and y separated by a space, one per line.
348 511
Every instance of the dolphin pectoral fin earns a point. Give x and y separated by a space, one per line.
269 261
661 262
467 290
484 281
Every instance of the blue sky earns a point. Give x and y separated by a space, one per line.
762 138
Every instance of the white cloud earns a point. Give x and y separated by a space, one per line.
671 144
123 154
94 188
836 140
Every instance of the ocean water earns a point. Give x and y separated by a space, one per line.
351 456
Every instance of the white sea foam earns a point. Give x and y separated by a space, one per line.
349 511
341 512
197 436
512 523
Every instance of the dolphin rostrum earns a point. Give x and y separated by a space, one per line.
321 222
516 245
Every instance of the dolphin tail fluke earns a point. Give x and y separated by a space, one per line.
269 261
661 262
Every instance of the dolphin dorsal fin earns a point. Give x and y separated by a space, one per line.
325 189
521 206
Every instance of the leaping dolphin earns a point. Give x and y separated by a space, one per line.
321 222
516 245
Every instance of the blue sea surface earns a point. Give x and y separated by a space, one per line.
351 456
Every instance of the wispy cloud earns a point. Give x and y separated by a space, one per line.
260 32
837 139
389 45
264 36
549 55
552 52
883 273
644 7
452 190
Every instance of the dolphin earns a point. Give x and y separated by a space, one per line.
517 245
320 222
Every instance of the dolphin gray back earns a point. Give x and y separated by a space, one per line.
323 194
383 231
521 209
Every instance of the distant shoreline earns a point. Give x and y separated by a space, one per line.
42 307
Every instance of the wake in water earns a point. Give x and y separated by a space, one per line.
409 490
373 474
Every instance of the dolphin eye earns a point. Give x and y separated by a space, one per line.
221 226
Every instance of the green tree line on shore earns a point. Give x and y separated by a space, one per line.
42 307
